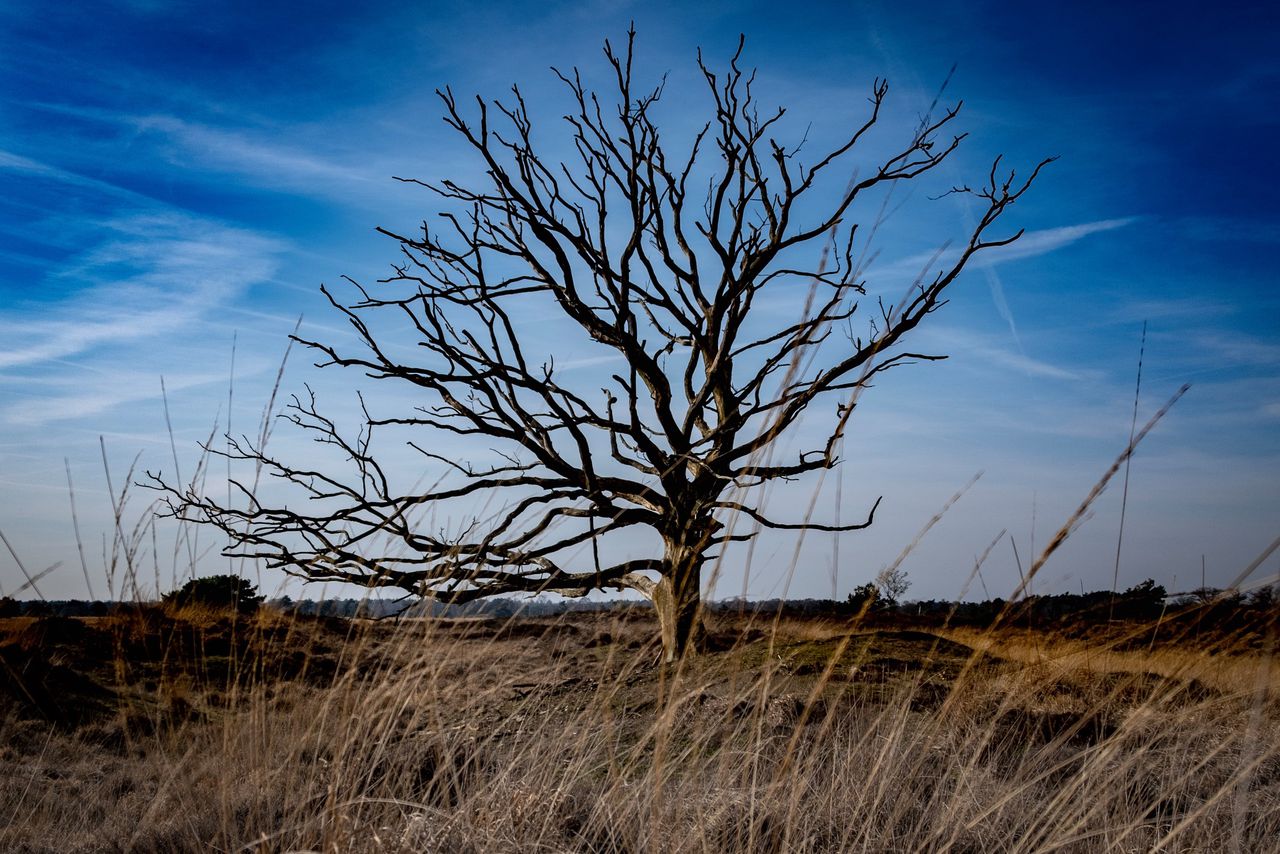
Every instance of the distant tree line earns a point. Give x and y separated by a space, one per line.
1144 602
246 599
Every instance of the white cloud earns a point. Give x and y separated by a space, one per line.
152 275
270 153
562 365
1030 245
1025 364
1034 243
84 400
17 163
287 157
1237 348
976 349
1169 308
245 153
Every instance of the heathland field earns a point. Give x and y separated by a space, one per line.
192 730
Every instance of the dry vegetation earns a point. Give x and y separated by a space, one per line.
171 728
191 731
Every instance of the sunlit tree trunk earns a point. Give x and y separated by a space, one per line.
677 599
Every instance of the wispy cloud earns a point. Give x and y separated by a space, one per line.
1237 348
1044 241
85 400
562 365
1169 308
153 274
283 157
243 152
11 162
1030 245
977 349
1027 365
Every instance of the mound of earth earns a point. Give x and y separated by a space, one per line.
34 686
876 654
71 672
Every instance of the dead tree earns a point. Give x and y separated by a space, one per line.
658 260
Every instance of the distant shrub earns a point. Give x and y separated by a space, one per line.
1144 601
222 592
865 597
9 607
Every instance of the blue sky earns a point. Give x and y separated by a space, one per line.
179 176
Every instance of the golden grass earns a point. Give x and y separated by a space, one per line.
1228 671
276 734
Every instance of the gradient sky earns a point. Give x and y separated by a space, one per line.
179 178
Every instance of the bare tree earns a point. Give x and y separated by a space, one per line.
658 259
893 584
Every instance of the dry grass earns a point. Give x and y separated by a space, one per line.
274 734
1224 668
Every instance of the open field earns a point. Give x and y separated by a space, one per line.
197 731
639 428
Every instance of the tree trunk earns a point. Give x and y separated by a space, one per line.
677 599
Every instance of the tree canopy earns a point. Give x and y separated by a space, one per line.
221 592
663 257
